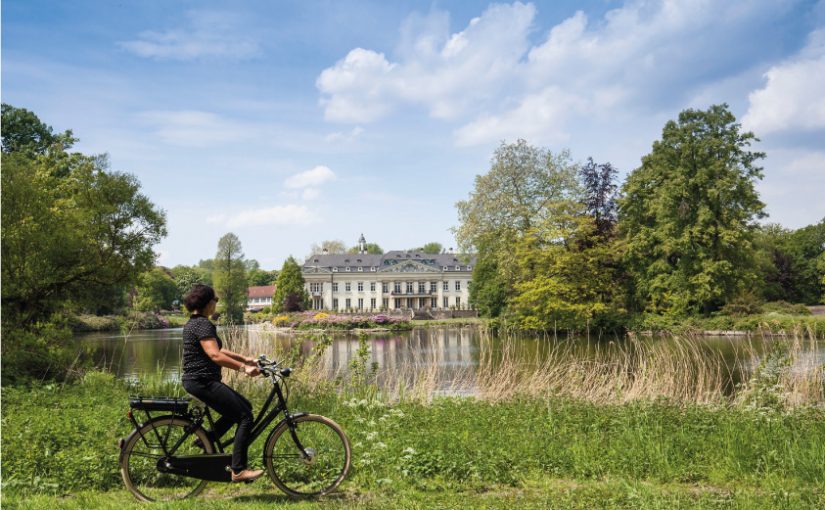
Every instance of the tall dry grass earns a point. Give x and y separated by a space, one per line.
681 369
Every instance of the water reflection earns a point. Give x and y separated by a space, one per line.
451 353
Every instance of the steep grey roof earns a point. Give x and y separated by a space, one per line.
354 260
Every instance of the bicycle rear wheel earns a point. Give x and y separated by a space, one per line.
143 451
319 468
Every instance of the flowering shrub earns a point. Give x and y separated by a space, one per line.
280 320
325 320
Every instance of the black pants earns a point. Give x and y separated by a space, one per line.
234 408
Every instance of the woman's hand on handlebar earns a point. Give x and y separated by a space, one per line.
251 371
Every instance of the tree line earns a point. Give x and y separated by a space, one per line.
563 246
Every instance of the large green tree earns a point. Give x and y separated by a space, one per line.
229 278
569 277
187 276
688 214
75 235
24 132
290 294
523 187
156 290
72 230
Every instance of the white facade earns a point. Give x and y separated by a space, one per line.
396 280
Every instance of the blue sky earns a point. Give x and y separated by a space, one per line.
293 122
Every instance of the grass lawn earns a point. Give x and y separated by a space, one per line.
542 493
59 452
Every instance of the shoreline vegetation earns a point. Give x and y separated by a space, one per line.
774 323
631 426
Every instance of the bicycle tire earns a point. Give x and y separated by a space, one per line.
138 460
302 477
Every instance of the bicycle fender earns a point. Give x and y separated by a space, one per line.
282 422
124 441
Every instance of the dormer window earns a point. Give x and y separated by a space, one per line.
416 256
469 268
334 269
360 269
455 260
372 268
359 260
347 269
346 260
445 268
458 268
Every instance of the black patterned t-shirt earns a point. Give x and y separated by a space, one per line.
196 363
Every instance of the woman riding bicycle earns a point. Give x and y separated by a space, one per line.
203 357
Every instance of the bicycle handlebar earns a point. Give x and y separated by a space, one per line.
269 367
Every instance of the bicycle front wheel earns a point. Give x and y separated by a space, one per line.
143 451
315 470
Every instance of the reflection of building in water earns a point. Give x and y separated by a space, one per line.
449 351
393 281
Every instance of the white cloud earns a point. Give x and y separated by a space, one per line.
192 128
643 56
540 117
310 193
206 34
289 214
794 96
311 178
792 187
344 136
440 71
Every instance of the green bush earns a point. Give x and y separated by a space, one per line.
85 322
785 308
43 351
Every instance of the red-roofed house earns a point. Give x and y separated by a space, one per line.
259 297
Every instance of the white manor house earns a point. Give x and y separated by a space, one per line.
396 280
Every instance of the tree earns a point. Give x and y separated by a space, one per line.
69 237
334 246
567 279
488 290
187 276
432 248
74 234
290 294
600 191
229 277
524 186
259 277
24 132
372 249
156 290
516 193
688 214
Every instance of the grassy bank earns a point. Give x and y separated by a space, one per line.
59 450
774 323
133 321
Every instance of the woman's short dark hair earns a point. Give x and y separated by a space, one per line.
198 297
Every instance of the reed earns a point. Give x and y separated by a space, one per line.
681 370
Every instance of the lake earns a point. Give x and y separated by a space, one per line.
453 357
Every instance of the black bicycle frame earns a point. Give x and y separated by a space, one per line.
264 418
262 421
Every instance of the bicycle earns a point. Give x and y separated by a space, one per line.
172 456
